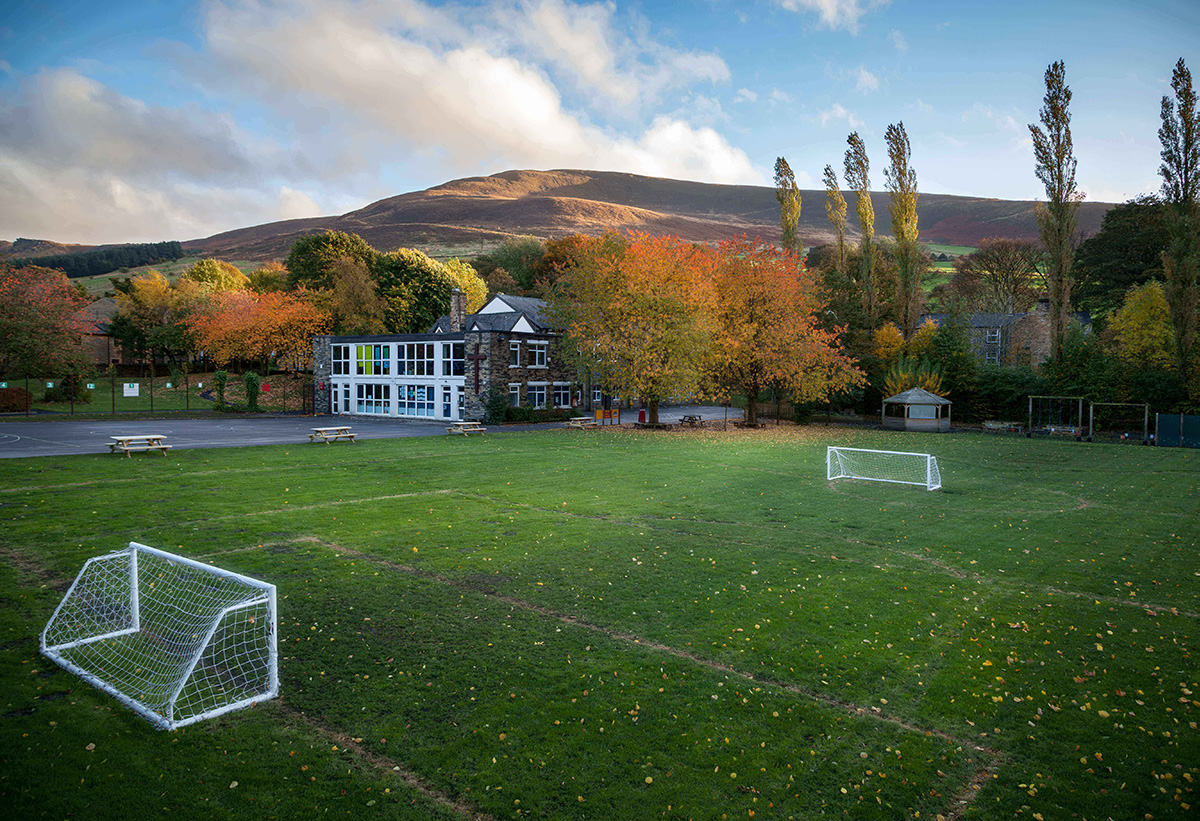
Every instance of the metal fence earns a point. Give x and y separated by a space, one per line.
113 394
1176 430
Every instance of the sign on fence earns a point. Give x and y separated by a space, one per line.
130 389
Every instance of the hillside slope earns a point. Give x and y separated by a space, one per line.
481 211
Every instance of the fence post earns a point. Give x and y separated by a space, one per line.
28 400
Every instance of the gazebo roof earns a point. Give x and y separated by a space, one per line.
917 396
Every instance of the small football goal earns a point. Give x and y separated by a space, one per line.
883 466
173 639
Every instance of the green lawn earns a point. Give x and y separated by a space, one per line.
618 625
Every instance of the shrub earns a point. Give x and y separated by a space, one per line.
253 385
495 409
68 389
15 400
219 379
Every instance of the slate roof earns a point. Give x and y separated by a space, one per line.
493 322
917 396
534 311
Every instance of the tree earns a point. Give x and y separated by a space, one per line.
473 288
417 290
639 311
355 302
835 209
887 343
519 257
998 275
767 331
216 275
1180 170
1053 152
152 316
901 183
789 207
1125 252
270 276
310 262
908 372
243 325
858 169
39 332
1142 330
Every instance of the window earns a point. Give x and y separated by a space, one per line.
345 399
341 360
374 398
993 335
447 394
372 360
514 355
452 359
514 395
562 395
537 396
416 359
537 354
415 400
597 396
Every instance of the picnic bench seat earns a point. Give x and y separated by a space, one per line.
580 422
130 443
331 434
465 428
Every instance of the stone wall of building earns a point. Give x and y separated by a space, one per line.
322 370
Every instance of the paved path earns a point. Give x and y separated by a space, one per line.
59 436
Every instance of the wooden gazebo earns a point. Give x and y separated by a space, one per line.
917 409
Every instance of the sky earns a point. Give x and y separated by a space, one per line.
148 120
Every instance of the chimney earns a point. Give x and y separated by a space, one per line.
458 311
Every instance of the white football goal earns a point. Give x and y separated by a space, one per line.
883 466
173 639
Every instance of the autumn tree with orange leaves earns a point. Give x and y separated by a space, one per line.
768 333
39 333
243 325
638 311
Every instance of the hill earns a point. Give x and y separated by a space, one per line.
468 215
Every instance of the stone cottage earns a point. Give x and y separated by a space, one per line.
449 372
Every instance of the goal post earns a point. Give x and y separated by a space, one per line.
173 639
883 466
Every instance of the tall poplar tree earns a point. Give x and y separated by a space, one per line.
789 207
1055 157
858 170
835 209
901 182
1180 170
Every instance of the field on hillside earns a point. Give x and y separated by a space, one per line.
621 625
101 284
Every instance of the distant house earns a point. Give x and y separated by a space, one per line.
1012 339
99 348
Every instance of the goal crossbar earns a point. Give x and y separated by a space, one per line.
895 466
173 639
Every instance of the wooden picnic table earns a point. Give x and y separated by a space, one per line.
128 443
692 420
465 428
331 434
580 422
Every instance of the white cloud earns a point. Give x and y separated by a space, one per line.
835 13
780 97
865 81
922 106
1003 121
350 93
745 95
6 67
839 112
899 41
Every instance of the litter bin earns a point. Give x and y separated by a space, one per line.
642 415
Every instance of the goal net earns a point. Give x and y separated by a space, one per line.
173 639
883 466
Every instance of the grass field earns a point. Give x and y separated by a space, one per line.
620 625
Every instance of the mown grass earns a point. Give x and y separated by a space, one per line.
610 624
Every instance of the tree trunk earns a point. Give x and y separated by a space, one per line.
752 404
653 407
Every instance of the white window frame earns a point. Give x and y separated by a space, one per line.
533 390
514 355
539 354
372 360
992 336
561 390
373 398
339 360
514 394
